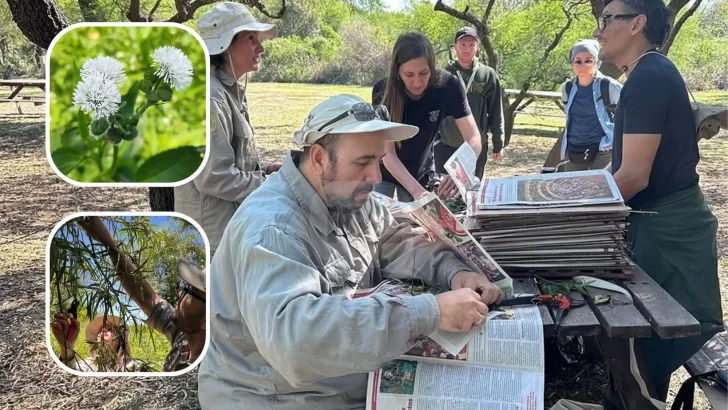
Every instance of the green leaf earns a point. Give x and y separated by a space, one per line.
72 138
170 166
66 159
124 174
128 100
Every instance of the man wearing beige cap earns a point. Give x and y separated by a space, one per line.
233 169
286 333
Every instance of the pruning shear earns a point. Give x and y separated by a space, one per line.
559 304
73 311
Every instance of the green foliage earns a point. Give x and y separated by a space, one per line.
294 59
152 121
81 270
700 49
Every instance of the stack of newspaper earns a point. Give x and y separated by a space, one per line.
552 224
497 366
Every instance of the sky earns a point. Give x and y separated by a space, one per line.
397 5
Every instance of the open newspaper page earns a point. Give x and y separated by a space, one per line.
549 190
501 368
441 343
396 208
461 168
432 214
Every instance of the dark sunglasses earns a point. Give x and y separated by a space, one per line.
604 20
585 62
362 112
186 289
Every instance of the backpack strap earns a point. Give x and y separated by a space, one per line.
606 97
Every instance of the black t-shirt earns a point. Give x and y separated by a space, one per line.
426 113
654 100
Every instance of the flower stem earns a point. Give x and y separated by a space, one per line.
113 161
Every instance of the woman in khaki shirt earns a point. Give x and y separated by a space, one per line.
233 168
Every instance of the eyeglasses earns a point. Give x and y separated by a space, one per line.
585 62
362 112
603 20
185 289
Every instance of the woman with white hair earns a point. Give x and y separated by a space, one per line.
589 99
233 169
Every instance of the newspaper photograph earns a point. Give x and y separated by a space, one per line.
543 190
433 215
461 168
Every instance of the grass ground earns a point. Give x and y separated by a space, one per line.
33 199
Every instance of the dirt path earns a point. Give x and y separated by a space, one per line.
33 199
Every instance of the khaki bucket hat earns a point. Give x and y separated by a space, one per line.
218 26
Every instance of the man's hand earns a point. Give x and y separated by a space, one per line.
271 168
62 323
94 227
499 156
460 310
447 188
489 293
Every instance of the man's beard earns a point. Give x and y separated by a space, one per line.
338 204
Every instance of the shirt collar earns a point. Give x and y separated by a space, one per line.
224 77
308 199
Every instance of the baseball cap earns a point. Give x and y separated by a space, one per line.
349 114
219 25
467 31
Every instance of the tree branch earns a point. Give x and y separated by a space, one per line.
462 15
154 9
488 10
134 13
678 25
186 10
557 39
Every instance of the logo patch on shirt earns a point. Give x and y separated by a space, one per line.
434 115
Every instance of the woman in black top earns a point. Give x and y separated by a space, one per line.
416 93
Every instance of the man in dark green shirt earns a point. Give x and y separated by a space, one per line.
484 96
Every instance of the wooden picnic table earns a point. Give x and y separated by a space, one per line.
653 313
16 86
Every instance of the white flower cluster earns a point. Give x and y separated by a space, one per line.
173 67
97 93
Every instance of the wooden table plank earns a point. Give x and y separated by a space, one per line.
619 317
529 286
667 317
579 321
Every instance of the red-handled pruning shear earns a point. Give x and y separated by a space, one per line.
73 311
559 304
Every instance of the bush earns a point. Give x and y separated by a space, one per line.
294 60
362 60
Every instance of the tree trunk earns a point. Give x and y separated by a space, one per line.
161 199
38 20
508 120
610 70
